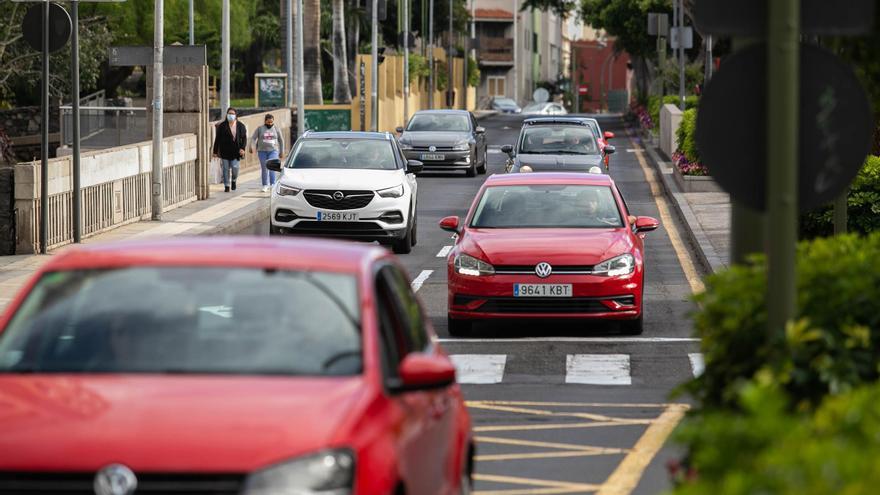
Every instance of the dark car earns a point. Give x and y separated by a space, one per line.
445 140
561 144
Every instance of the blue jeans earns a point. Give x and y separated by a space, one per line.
266 175
227 165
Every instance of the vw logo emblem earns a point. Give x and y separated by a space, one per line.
338 196
115 479
543 269
432 148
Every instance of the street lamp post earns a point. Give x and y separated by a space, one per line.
74 89
300 83
431 53
158 92
192 23
450 95
224 57
515 52
405 60
374 93
288 52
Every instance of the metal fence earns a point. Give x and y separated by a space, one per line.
105 127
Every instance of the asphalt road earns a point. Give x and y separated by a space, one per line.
572 408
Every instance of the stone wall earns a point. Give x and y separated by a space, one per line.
25 121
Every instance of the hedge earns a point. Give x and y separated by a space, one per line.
656 102
863 206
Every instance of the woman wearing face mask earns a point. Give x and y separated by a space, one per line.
270 144
229 145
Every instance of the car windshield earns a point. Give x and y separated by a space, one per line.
439 122
374 154
547 206
558 139
243 321
505 102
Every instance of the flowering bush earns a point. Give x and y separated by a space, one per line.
643 116
687 158
687 167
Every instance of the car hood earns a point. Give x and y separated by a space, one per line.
346 179
555 246
433 138
162 423
558 162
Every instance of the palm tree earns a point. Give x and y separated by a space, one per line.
312 51
341 90
353 19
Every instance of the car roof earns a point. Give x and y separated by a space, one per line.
524 179
444 111
379 136
555 120
227 252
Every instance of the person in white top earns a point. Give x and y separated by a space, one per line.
269 141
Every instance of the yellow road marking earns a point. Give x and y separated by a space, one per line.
626 477
684 259
545 486
563 450
562 404
561 426
542 455
533 443
543 412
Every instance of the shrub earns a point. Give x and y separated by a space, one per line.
656 102
833 345
418 67
863 206
686 158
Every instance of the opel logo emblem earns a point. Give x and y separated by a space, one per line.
543 269
432 148
115 479
338 195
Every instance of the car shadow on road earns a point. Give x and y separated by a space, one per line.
540 328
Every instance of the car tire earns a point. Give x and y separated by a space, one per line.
485 167
633 327
404 245
458 328
414 232
472 170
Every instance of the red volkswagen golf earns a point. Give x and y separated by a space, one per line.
547 245
227 366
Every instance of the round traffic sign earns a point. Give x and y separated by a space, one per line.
59 27
541 95
834 129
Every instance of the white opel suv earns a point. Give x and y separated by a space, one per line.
351 185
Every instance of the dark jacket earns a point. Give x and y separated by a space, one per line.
227 147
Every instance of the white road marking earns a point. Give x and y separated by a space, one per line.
698 365
417 283
479 368
221 311
598 369
444 252
494 151
633 150
610 340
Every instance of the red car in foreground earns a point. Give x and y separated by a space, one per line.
227 366
547 245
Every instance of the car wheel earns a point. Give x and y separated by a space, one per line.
484 168
415 231
404 245
458 328
472 171
633 327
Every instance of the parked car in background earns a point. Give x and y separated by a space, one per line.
603 138
227 366
446 140
352 185
547 246
546 108
504 105
565 144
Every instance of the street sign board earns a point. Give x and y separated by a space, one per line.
658 24
128 56
687 37
749 17
541 95
59 27
834 131
271 90
583 89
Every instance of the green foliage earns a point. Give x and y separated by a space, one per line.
656 102
863 205
832 346
686 134
441 75
693 75
418 67
766 448
473 72
625 20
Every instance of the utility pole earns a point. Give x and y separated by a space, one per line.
431 53
783 95
405 61
224 57
680 54
374 93
74 89
192 23
158 93
300 83
450 94
288 52
44 137
709 60
516 51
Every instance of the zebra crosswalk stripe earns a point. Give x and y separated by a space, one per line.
479 368
598 369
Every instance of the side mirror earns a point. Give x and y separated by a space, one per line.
414 166
507 148
480 130
609 150
399 130
274 165
609 135
425 372
646 224
450 224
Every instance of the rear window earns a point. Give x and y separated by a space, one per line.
187 320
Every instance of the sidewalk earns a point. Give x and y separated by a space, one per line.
222 213
706 216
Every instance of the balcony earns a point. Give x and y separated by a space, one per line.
495 51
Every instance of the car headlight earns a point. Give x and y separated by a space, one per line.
326 473
461 147
391 192
619 265
288 190
468 265
406 147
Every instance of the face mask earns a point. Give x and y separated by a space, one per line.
269 126
230 117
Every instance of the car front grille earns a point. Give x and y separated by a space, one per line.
557 269
147 483
426 149
351 200
315 227
533 305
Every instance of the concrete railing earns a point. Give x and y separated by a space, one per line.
670 119
116 186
